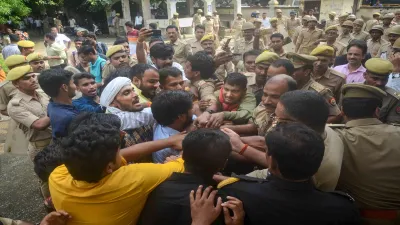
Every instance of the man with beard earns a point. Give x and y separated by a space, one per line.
59 86
354 69
376 41
36 61
262 115
277 45
29 109
377 75
171 79
181 48
323 74
89 102
173 111
208 44
195 43
145 81
386 50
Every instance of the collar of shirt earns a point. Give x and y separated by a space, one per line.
98 61
363 122
28 98
359 69
113 110
290 185
177 42
139 93
64 106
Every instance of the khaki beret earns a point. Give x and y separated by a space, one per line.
377 27
362 91
199 11
267 57
26 44
323 50
207 37
396 44
248 26
15 60
388 16
34 57
273 19
332 13
306 17
333 27
300 60
278 10
114 49
395 30
347 23
312 18
378 66
376 14
359 22
176 14
19 72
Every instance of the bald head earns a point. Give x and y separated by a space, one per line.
274 88
290 82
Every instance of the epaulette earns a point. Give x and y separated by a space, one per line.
343 194
393 92
317 87
337 73
227 182
341 43
201 83
236 178
4 83
333 126
15 101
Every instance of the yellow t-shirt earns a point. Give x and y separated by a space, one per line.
116 199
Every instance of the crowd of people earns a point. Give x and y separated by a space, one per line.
195 132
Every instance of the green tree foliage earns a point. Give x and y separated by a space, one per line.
13 10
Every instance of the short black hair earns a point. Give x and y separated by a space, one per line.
92 35
205 151
14 38
236 79
359 44
255 52
86 50
79 39
129 24
172 27
154 39
276 35
297 105
121 40
89 43
50 36
83 75
88 149
87 118
352 106
169 71
52 79
139 69
119 72
284 63
47 160
153 26
199 26
161 51
169 105
297 150
203 63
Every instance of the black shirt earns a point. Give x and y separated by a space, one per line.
169 203
277 201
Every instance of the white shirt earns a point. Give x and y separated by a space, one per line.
266 23
38 23
138 20
131 120
61 39
72 22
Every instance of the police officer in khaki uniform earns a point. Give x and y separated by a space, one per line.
351 17
332 19
307 39
370 23
237 25
181 48
245 44
29 109
331 34
342 18
377 74
387 24
376 41
386 50
298 29
26 47
345 37
292 23
112 65
370 161
199 32
358 33
175 22
303 65
266 33
282 20
197 18
37 62
208 23
323 74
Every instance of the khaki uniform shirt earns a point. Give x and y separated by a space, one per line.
340 48
205 89
370 169
109 68
333 80
328 173
241 46
330 22
374 46
174 22
196 45
262 119
182 51
209 25
244 111
306 40
216 20
345 39
386 31
292 25
385 51
363 36
312 85
283 21
390 110
196 19
7 92
266 33
238 24
297 33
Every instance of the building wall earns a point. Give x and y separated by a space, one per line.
338 6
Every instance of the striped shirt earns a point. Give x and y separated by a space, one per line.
10 50
131 120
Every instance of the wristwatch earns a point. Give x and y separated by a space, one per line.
210 111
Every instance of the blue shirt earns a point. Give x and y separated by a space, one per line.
96 68
87 104
163 132
60 118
